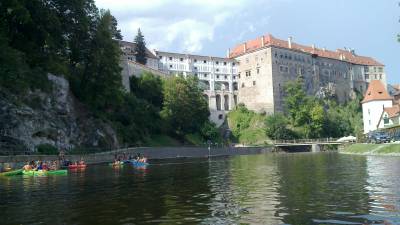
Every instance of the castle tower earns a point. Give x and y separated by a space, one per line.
375 100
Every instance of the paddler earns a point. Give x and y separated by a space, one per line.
27 167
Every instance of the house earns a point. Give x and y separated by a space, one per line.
376 100
390 117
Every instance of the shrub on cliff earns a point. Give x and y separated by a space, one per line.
46 149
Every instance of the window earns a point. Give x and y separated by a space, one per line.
217 62
220 116
195 60
195 68
369 121
160 57
380 76
170 66
224 63
196 75
283 69
239 75
366 69
386 120
217 76
170 58
258 70
366 76
242 85
380 69
248 73
376 77
205 61
226 77
217 70
369 111
247 60
181 59
205 75
233 64
254 83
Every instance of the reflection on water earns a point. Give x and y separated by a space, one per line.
258 189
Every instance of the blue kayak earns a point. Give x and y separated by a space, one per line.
139 164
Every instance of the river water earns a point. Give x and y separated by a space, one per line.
322 188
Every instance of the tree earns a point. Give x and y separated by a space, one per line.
184 109
147 87
277 127
140 48
295 101
102 83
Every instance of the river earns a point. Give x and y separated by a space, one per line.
321 188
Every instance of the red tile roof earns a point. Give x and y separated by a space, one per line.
376 91
268 40
392 111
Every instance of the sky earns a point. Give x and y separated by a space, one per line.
211 27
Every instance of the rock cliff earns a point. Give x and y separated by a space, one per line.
55 118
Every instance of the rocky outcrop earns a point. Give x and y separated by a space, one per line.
55 118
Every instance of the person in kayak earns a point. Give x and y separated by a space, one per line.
40 166
45 166
27 167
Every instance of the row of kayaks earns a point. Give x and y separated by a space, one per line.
34 172
132 162
135 163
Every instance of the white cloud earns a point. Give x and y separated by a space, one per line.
185 25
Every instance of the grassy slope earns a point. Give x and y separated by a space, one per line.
373 149
252 135
162 141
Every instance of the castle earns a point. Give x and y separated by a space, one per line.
255 72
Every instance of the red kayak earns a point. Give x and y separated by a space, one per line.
77 166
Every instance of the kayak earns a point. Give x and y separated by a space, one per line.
139 164
77 166
44 172
12 173
121 164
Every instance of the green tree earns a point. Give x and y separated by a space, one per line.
184 109
276 127
296 102
140 48
316 123
102 83
147 87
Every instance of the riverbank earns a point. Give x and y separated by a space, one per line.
389 149
151 153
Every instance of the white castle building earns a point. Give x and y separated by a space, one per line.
255 72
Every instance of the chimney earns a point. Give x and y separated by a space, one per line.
228 53
262 41
313 46
244 47
290 42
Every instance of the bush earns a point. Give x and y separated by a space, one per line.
47 149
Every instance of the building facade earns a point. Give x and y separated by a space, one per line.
267 63
131 68
217 77
376 100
